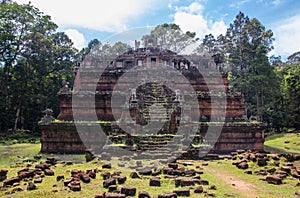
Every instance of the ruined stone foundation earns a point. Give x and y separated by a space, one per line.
60 136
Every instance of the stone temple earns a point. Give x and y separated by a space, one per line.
216 106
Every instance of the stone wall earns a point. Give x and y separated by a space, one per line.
63 138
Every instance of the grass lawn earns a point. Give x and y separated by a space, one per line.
286 142
229 180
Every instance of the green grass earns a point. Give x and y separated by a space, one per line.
12 157
262 188
17 153
286 142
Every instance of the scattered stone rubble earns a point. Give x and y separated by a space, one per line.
185 175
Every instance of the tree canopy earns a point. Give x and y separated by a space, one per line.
170 36
34 60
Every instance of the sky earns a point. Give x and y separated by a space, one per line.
85 20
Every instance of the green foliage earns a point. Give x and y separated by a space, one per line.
290 89
34 61
96 47
244 51
18 137
171 37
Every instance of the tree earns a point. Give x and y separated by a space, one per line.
171 37
96 47
290 89
294 58
244 49
34 60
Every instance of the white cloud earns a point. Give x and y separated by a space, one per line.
276 2
76 37
287 36
190 18
238 4
194 8
191 22
218 28
103 15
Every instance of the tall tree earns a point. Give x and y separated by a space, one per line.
170 36
33 60
245 47
290 88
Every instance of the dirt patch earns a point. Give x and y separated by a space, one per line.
247 189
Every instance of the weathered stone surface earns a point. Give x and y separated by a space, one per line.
271 170
114 195
11 181
210 194
213 187
109 182
128 191
198 189
187 182
275 157
182 192
204 182
121 179
190 173
75 186
121 164
85 178
295 173
235 136
243 165
100 195
105 175
91 174
51 160
18 189
143 194
25 173
155 181
274 180
68 180
89 156
249 172
139 163
108 166
134 175
168 195
112 188
3 174
173 165
60 177
42 166
105 156
31 186
156 172
38 180
281 174
145 171
262 161
261 172
48 172
286 169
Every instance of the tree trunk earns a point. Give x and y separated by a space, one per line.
17 118
257 103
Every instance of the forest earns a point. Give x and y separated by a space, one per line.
36 58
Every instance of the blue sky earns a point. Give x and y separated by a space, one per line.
101 19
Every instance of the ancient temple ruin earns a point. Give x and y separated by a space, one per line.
60 136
